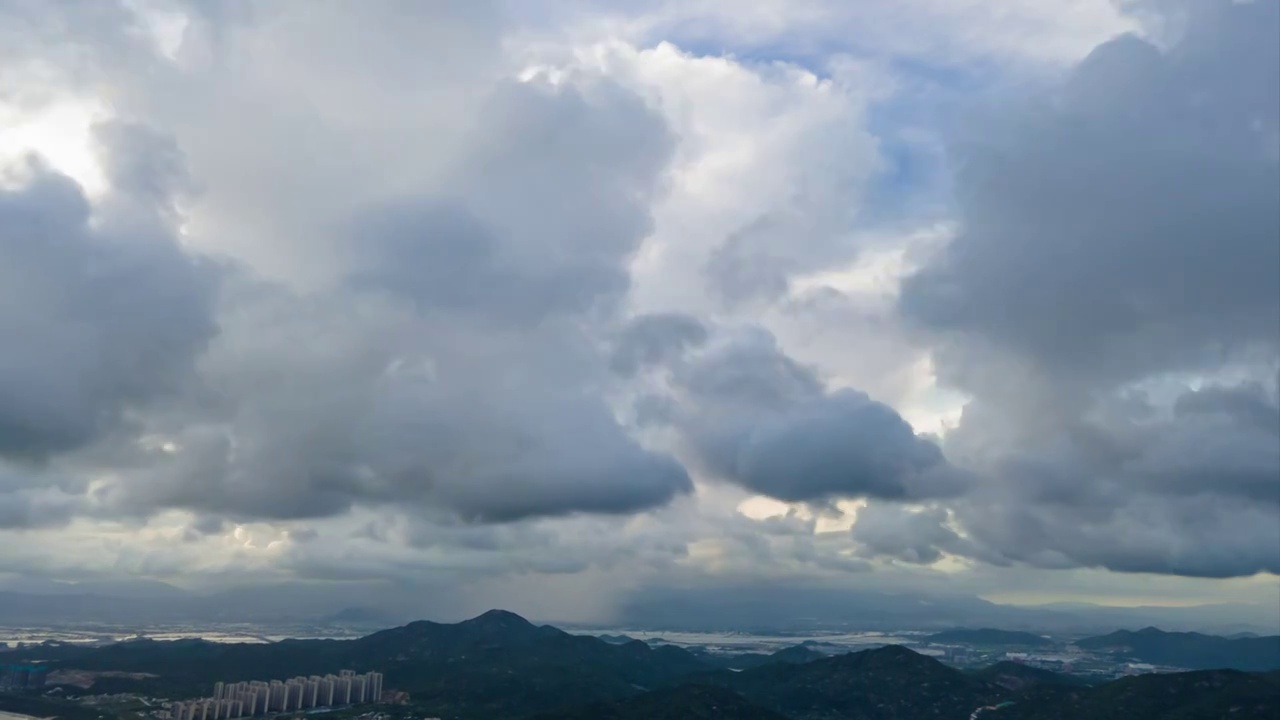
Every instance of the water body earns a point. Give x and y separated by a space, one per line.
747 642
12 637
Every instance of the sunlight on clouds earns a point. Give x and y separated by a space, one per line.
61 134
879 269
759 507
849 515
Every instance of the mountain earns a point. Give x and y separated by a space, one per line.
1201 695
495 665
1214 618
889 683
616 639
1190 650
687 702
500 666
795 655
1016 676
989 636
894 683
44 707
780 608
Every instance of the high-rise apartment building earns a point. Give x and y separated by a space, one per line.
257 698
359 688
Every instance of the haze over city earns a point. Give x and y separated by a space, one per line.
687 312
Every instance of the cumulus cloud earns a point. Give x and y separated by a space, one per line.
753 416
447 363
1114 280
650 340
1128 226
465 305
452 368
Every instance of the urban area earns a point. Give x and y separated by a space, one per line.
258 697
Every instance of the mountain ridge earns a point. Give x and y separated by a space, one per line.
500 666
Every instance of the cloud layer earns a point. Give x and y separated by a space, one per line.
362 290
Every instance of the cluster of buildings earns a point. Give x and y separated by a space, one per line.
21 677
257 697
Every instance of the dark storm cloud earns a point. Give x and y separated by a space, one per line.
100 314
1120 239
841 445
757 418
585 465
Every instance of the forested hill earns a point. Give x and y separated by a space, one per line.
499 666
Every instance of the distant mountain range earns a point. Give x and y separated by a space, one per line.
499 666
362 606
1190 650
804 609
990 637
794 655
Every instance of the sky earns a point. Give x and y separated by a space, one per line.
548 304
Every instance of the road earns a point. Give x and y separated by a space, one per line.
987 708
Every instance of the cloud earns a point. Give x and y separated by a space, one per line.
653 339
104 311
947 33
440 357
37 508
437 292
452 368
754 417
1110 306
914 536
1129 227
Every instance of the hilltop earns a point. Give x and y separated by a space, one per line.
793 655
1016 676
1202 695
489 666
687 702
886 683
